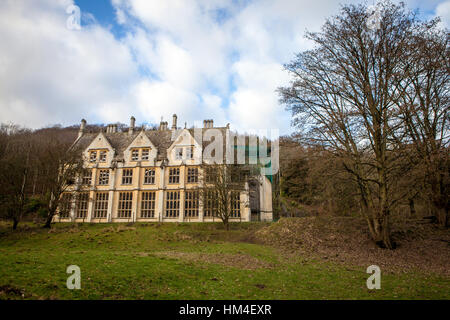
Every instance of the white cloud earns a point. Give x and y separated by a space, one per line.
50 74
443 11
200 59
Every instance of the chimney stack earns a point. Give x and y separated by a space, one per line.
174 122
82 128
132 124
163 125
208 123
111 128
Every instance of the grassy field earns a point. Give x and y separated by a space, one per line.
183 261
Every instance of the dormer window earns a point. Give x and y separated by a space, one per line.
102 157
135 155
93 156
145 154
179 153
189 152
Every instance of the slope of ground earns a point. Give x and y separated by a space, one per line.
186 261
421 246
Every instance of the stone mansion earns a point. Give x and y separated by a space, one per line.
149 175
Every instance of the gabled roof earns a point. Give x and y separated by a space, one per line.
161 139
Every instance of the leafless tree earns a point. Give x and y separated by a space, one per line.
344 98
17 157
220 189
59 168
424 113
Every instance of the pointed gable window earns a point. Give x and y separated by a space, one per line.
189 152
102 157
179 153
135 155
145 154
93 156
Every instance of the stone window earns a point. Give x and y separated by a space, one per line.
235 204
127 176
210 173
103 177
174 175
87 177
179 153
82 205
149 176
210 203
65 205
134 154
192 175
191 204
189 152
93 156
145 154
101 205
102 157
172 204
125 204
148 204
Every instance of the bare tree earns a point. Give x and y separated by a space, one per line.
343 97
16 162
220 188
424 113
59 168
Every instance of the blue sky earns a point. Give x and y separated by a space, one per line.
200 59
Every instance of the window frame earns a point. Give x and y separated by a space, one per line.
192 177
86 179
133 156
102 155
100 210
147 156
172 204
125 205
127 179
93 156
148 204
235 199
103 179
174 178
65 205
82 205
191 203
211 203
151 177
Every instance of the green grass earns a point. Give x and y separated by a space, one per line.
120 262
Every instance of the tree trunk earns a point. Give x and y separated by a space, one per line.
15 223
442 217
226 224
380 232
412 208
48 222
379 228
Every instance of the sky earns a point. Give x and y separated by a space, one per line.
200 59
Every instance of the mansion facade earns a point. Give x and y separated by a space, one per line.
152 175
